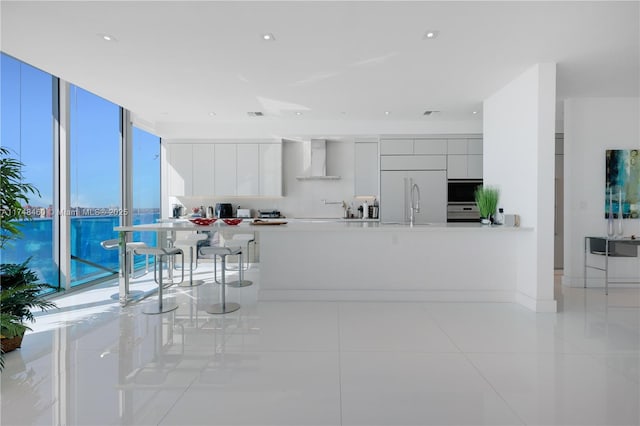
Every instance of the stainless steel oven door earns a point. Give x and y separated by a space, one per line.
463 213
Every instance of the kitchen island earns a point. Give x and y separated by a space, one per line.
370 261
319 260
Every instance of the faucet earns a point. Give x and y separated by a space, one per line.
415 203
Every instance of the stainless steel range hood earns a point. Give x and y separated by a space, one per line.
315 161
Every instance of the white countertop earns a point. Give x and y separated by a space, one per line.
321 225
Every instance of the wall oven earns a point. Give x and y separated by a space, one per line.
461 203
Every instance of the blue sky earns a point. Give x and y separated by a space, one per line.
26 127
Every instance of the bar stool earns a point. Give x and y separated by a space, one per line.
241 282
240 239
191 241
159 254
223 252
114 244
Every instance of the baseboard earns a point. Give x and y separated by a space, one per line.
388 296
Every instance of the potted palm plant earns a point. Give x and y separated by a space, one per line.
20 290
487 201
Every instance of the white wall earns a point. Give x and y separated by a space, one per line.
592 126
519 159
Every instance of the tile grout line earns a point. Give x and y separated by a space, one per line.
465 355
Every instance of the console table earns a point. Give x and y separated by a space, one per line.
608 247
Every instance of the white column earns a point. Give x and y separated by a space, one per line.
61 179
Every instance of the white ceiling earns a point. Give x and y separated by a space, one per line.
342 64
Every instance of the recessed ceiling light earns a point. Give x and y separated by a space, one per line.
211 114
431 34
387 112
475 112
107 37
268 37
298 113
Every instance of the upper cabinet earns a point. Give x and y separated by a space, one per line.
202 166
464 158
270 165
366 169
224 169
179 169
396 147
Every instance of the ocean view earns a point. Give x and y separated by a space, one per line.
89 260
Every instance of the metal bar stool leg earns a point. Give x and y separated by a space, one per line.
223 307
163 306
192 282
241 282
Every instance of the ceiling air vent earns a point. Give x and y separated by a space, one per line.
427 113
255 113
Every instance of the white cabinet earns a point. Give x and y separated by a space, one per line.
366 169
474 146
270 170
248 169
474 166
203 172
457 146
420 146
395 195
430 146
413 162
464 159
457 166
225 169
179 169
396 146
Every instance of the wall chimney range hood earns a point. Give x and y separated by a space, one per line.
315 161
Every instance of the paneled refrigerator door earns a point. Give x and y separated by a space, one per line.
433 193
393 196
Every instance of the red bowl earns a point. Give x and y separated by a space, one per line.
232 221
203 221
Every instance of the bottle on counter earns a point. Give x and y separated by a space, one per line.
376 209
365 210
499 219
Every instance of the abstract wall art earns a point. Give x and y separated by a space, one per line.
622 186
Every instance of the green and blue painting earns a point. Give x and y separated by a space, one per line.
622 183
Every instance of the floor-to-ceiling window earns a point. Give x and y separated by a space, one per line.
146 183
94 184
27 130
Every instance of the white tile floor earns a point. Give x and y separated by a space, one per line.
328 363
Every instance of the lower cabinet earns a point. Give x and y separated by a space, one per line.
395 195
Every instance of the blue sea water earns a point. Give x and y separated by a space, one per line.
86 234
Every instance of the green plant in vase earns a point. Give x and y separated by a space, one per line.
487 200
